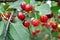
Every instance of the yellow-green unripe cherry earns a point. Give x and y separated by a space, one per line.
58 26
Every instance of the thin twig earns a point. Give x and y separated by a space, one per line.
51 38
50 34
7 26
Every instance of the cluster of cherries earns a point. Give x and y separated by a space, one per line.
26 23
35 22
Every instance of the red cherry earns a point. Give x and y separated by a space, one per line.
33 32
50 15
12 19
7 14
53 30
37 30
21 15
23 5
58 30
43 23
58 36
58 15
54 25
35 22
43 18
28 7
26 23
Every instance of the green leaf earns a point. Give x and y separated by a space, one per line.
55 10
16 5
2 9
54 38
1 27
6 6
9 37
43 9
54 34
27 1
18 32
32 2
53 3
1 38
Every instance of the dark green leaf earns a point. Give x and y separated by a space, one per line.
55 10
27 1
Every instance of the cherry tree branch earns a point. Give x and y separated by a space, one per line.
50 34
7 26
51 38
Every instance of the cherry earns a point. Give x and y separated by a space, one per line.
58 26
58 30
12 19
58 36
58 15
57 3
33 32
54 25
48 24
21 15
37 30
35 22
50 15
28 7
23 4
53 30
7 14
43 18
43 23
51 22
26 23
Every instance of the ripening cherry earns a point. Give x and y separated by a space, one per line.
58 36
50 15
21 15
28 7
37 30
23 4
58 15
12 19
33 32
48 24
57 3
54 25
53 30
35 22
51 22
43 18
58 26
58 30
26 23
7 14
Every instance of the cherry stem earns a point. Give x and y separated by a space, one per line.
7 26
35 15
49 33
2 15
